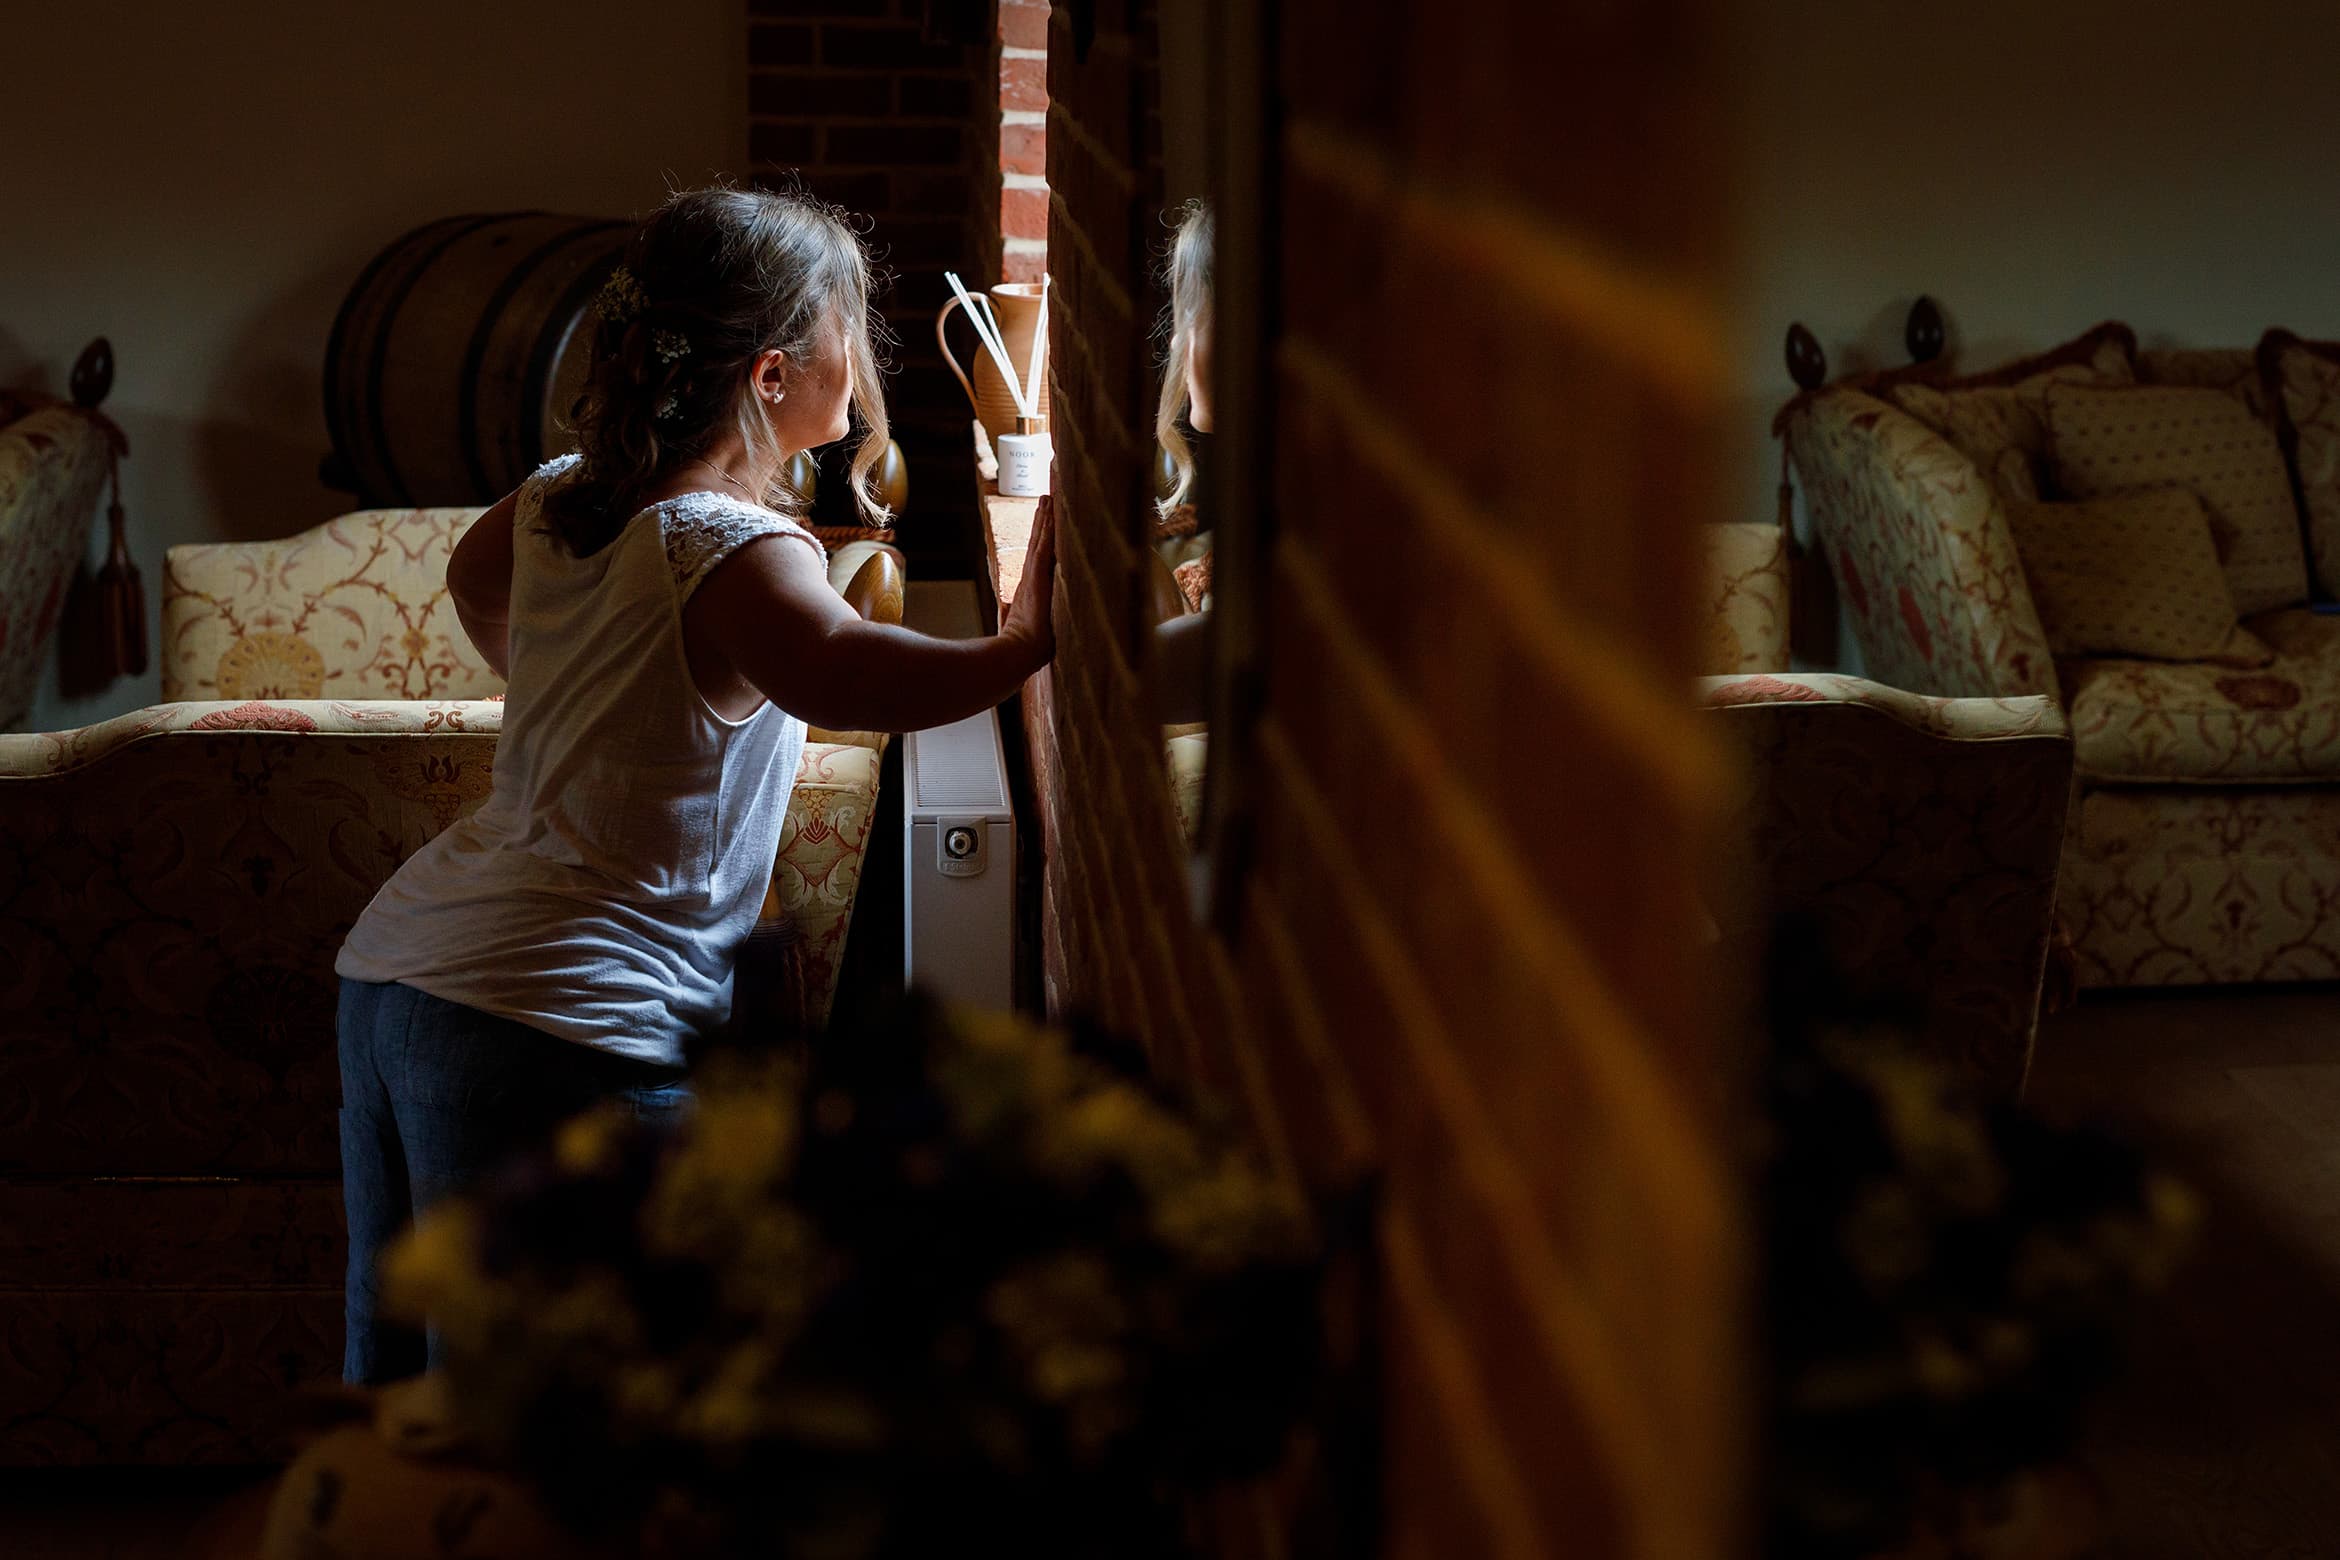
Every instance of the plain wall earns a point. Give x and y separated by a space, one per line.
2036 168
202 184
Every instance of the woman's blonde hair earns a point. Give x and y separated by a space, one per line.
713 280
1186 279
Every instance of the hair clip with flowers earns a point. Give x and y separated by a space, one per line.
670 345
620 298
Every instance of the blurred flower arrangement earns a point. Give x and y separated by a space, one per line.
953 1283
1947 1281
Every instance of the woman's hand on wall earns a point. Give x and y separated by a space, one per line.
1031 617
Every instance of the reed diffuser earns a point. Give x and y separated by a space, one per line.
1024 454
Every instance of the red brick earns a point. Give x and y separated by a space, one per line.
895 146
1023 24
887 47
859 193
914 241
937 97
1023 148
1022 266
819 95
932 194
782 143
1023 213
1023 85
769 45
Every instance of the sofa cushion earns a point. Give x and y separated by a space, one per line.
2305 377
356 608
2001 428
1999 420
2118 440
2131 574
2164 721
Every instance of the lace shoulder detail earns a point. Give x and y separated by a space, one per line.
529 506
702 529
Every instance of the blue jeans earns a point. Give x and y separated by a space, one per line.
433 1096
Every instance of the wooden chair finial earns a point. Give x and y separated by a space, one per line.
1807 365
1923 334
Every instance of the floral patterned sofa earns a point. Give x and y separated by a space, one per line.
174 885
1918 834
2203 842
54 460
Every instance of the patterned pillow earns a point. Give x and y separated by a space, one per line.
2118 440
1998 419
2132 574
2001 428
2305 376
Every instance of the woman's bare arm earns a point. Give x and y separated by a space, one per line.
479 582
782 627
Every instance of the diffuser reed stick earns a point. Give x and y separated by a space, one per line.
993 344
1031 396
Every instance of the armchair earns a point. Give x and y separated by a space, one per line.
1918 833
174 885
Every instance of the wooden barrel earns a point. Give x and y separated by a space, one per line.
458 353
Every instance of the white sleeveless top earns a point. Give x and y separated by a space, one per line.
602 891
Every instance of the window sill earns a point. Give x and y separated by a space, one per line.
1007 524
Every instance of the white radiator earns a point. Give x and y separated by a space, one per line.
958 837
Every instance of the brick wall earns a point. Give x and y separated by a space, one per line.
882 107
1023 138
1463 953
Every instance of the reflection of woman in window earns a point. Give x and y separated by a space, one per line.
1181 646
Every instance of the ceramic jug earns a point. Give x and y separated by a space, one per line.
1017 305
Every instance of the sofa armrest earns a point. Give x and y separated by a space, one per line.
1918 838
1920 546
818 870
1966 720
45 754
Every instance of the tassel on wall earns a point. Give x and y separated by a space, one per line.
121 596
1811 588
120 648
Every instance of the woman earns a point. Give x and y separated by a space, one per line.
1182 644
666 629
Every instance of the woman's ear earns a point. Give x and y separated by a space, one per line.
770 376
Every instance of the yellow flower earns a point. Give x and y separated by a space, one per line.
1119 1125
584 1142
1228 1217
729 1409
1941 1370
431 1268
